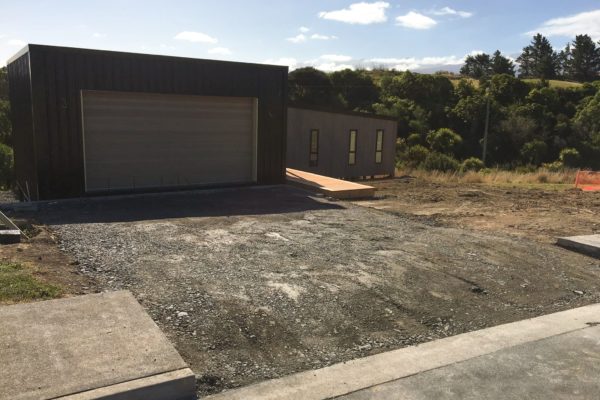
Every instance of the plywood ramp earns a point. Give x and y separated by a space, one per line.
333 187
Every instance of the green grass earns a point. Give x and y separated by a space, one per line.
556 84
17 284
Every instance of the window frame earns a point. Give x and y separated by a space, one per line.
311 162
379 145
352 151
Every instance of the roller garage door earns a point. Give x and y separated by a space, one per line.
141 140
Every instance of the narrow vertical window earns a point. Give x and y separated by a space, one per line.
379 146
352 149
313 159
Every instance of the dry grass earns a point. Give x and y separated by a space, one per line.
541 177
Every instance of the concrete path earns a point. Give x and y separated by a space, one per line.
585 244
101 346
556 356
336 188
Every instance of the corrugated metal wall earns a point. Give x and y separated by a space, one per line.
22 125
334 143
59 74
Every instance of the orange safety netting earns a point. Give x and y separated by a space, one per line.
588 180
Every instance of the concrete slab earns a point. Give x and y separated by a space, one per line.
569 336
332 187
88 347
586 244
561 367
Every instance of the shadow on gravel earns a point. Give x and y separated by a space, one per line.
210 203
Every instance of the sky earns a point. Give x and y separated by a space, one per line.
419 35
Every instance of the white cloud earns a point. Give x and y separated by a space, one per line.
195 37
424 63
583 23
414 20
332 67
98 35
16 42
335 57
451 11
222 51
337 62
316 36
359 13
300 38
303 29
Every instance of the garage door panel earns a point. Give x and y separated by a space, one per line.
135 140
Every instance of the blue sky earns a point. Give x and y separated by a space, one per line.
330 34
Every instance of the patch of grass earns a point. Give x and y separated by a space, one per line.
541 178
555 83
17 284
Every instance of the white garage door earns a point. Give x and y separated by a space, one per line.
140 140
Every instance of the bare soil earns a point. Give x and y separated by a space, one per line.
251 284
527 211
41 258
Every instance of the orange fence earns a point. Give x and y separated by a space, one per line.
588 180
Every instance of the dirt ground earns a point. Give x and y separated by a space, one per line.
251 284
532 212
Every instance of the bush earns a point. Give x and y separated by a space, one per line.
413 139
440 162
6 166
555 166
444 140
416 155
472 164
570 157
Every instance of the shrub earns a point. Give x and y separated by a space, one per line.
570 157
472 164
413 139
444 140
440 162
416 155
6 166
555 166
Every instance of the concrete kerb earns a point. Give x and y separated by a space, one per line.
586 244
341 379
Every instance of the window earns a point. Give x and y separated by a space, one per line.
313 159
352 150
379 146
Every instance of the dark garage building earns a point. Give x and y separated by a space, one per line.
90 122
341 144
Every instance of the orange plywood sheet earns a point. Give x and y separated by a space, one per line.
333 187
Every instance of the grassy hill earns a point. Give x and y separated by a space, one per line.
378 74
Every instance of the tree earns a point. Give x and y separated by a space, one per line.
444 140
501 64
309 86
356 88
539 60
477 66
6 166
534 152
583 59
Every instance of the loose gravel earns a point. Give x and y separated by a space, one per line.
252 284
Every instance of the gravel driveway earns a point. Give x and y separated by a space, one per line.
256 283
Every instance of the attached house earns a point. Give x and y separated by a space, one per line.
340 144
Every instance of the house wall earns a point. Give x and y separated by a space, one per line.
334 143
51 134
